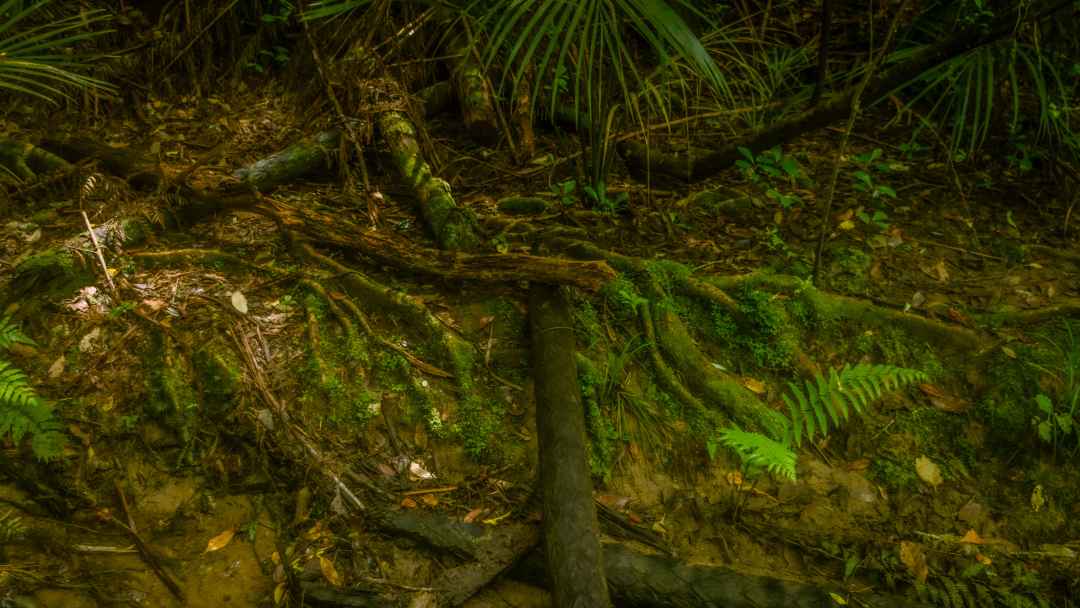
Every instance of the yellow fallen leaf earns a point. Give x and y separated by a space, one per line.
839 599
847 225
279 594
754 385
220 541
972 538
912 556
329 572
928 471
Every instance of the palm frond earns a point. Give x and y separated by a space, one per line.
33 57
585 42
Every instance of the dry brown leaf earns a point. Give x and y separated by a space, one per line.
928 471
408 503
220 541
912 556
329 572
472 515
972 538
982 559
859 465
429 500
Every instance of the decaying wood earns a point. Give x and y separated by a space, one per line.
571 533
652 581
306 157
473 91
454 228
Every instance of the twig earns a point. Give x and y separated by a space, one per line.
144 551
100 255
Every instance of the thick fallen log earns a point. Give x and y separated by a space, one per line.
306 157
838 106
571 533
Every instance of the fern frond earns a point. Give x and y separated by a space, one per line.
11 334
832 399
23 412
11 527
756 449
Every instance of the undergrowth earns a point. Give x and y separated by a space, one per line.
812 409
22 411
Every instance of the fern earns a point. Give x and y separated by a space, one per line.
22 412
819 405
11 527
755 449
10 334
825 403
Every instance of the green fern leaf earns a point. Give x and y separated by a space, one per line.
10 334
11 527
23 413
756 449
835 397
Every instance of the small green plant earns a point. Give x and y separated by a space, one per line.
1053 426
770 170
276 56
564 192
22 412
601 200
1023 158
867 178
1055 423
912 148
812 409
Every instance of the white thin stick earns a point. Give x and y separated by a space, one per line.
100 255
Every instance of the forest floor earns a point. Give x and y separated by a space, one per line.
942 490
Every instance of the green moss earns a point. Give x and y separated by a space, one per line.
623 297
477 422
587 326
53 273
766 334
849 270
894 475
219 376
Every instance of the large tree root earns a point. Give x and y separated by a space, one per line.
571 539
653 581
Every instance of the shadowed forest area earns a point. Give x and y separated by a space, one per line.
529 303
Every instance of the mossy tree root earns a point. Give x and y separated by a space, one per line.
449 345
453 227
833 307
571 532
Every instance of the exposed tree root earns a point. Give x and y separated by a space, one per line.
836 307
653 581
454 228
571 536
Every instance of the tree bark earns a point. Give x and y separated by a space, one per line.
571 533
